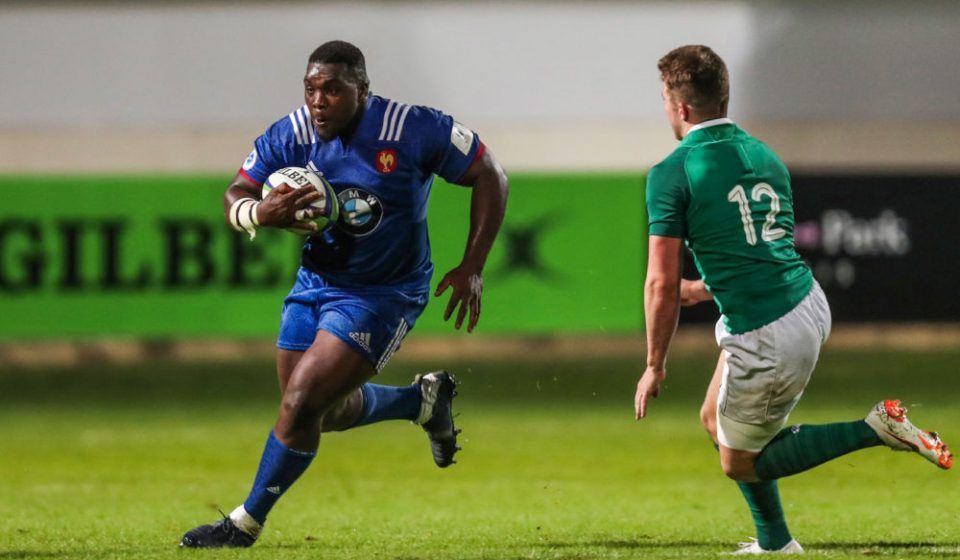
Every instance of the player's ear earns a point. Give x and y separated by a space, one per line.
362 91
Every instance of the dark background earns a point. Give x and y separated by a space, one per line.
884 247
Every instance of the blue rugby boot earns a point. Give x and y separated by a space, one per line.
438 389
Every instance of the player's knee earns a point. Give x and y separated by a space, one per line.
299 410
739 471
732 472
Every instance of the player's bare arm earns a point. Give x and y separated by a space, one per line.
278 209
693 292
487 206
662 308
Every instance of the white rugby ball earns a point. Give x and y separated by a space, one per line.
299 177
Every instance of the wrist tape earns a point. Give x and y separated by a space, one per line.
243 216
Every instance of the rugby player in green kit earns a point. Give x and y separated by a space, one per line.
728 197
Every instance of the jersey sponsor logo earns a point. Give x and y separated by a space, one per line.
386 161
360 211
250 161
461 137
393 118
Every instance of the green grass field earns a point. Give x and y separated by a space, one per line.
117 462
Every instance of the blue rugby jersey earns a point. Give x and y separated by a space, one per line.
382 177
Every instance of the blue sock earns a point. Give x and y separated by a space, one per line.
280 467
383 402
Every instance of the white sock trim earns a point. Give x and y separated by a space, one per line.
245 522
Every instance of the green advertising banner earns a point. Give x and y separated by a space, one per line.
149 256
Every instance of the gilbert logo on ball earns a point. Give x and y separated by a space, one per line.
327 206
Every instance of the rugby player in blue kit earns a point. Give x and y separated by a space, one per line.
363 282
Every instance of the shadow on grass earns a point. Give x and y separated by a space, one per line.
639 544
923 549
866 547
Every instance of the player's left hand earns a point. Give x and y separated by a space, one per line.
467 284
648 386
693 292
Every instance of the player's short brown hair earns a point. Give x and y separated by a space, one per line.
698 76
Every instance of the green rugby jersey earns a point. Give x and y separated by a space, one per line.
728 195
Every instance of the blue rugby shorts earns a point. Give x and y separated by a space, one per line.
373 320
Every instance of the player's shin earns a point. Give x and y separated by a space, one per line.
280 467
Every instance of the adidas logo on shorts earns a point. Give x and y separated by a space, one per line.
361 338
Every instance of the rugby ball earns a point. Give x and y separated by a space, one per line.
299 177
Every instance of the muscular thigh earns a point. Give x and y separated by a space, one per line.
287 360
327 373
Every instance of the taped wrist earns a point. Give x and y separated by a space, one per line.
243 215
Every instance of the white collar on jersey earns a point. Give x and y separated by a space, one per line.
708 124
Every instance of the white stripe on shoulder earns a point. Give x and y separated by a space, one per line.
386 117
393 121
309 125
403 118
304 133
296 127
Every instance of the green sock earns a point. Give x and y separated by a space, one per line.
763 498
798 448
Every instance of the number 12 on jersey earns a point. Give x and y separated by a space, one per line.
768 232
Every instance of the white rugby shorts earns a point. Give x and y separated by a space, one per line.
766 372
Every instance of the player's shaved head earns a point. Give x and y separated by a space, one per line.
342 52
697 76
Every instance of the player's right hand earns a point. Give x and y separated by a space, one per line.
648 386
467 284
286 205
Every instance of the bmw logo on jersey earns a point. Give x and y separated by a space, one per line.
360 211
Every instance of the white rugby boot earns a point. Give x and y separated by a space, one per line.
889 420
753 547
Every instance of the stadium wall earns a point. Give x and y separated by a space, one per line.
550 85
